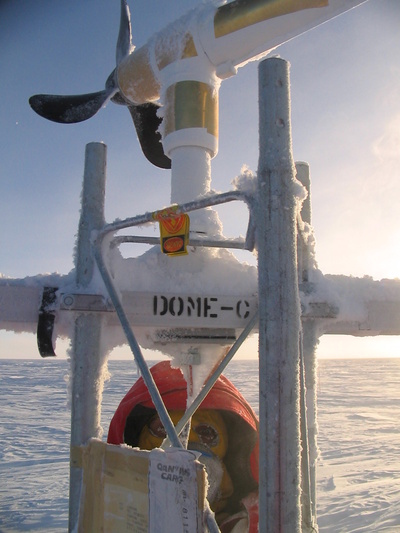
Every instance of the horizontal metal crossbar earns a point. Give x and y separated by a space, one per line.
208 201
238 244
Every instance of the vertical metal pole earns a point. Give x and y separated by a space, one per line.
279 308
310 339
87 360
310 343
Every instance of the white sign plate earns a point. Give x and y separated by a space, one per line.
189 310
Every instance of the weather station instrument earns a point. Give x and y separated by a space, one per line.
170 86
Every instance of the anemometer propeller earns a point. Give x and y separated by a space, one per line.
170 84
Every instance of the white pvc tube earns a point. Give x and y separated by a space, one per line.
190 173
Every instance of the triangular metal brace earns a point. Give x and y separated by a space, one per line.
172 432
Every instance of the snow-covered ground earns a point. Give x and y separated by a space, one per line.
359 439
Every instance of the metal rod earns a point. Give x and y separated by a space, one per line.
87 359
279 307
308 347
142 365
307 515
139 358
239 244
310 343
208 201
213 378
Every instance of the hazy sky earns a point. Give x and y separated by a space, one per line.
345 89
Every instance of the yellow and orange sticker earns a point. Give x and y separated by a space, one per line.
174 230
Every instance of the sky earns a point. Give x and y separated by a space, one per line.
345 98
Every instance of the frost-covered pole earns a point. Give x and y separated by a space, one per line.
87 359
310 340
310 343
279 308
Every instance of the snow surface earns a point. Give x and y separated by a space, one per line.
358 470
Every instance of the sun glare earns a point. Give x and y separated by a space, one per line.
346 346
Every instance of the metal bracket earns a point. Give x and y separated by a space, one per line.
85 302
195 335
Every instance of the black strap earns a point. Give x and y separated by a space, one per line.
45 327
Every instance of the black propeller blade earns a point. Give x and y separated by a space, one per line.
147 123
68 109
124 42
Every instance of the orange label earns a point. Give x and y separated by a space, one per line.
174 224
172 245
174 230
